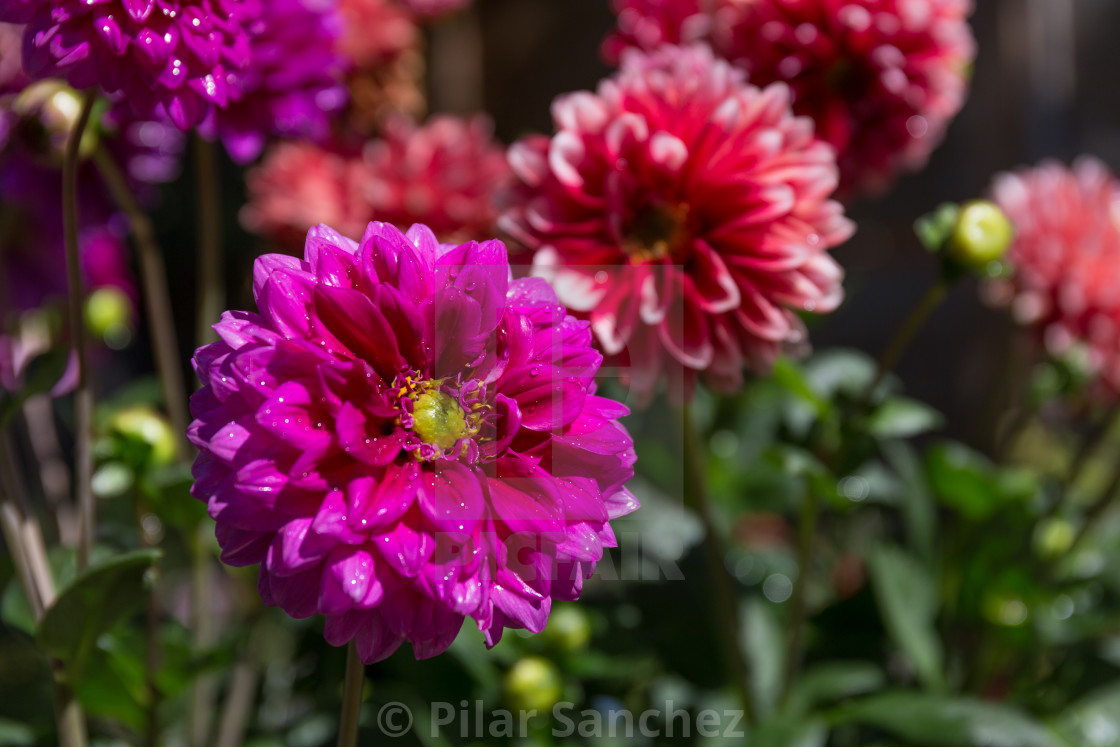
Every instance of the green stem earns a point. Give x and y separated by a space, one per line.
211 280
917 317
83 394
157 299
29 555
806 549
1093 440
351 698
726 609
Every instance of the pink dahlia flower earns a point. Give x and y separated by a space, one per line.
374 32
430 9
174 53
403 437
298 184
443 174
686 213
293 81
1065 259
882 79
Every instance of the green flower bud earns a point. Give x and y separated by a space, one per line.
145 425
109 316
568 628
1053 538
533 684
48 111
980 236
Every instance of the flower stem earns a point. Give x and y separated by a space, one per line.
806 546
83 394
726 609
351 698
1093 440
25 543
157 299
917 317
211 278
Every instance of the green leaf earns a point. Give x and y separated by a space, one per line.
790 733
793 381
907 599
1093 721
933 229
901 417
963 480
918 507
833 681
41 374
764 644
942 721
90 604
15 734
838 371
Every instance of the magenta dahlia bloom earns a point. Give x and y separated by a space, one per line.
174 53
293 81
403 437
882 79
443 174
1065 260
686 213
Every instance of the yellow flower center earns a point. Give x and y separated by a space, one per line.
438 419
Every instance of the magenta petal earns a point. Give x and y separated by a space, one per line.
406 549
451 497
349 581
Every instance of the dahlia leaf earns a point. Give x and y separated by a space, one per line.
907 598
41 375
943 721
764 644
831 681
901 417
90 604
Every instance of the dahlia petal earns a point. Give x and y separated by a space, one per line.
349 581
296 548
358 325
452 499
405 549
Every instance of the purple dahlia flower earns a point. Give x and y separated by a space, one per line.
293 81
174 53
404 437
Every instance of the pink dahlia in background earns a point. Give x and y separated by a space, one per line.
686 213
430 9
403 437
882 79
1065 259
443 174
293 81
298 184
374 32
177 54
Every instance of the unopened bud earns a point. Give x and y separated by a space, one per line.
533 684
980 236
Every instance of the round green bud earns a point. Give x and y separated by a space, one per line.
980 236
109 316
1054 537
533 684
143 424
568 627
48 111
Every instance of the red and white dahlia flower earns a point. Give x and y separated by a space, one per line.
403 437
686 213
882 79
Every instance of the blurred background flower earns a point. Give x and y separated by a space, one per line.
881 79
